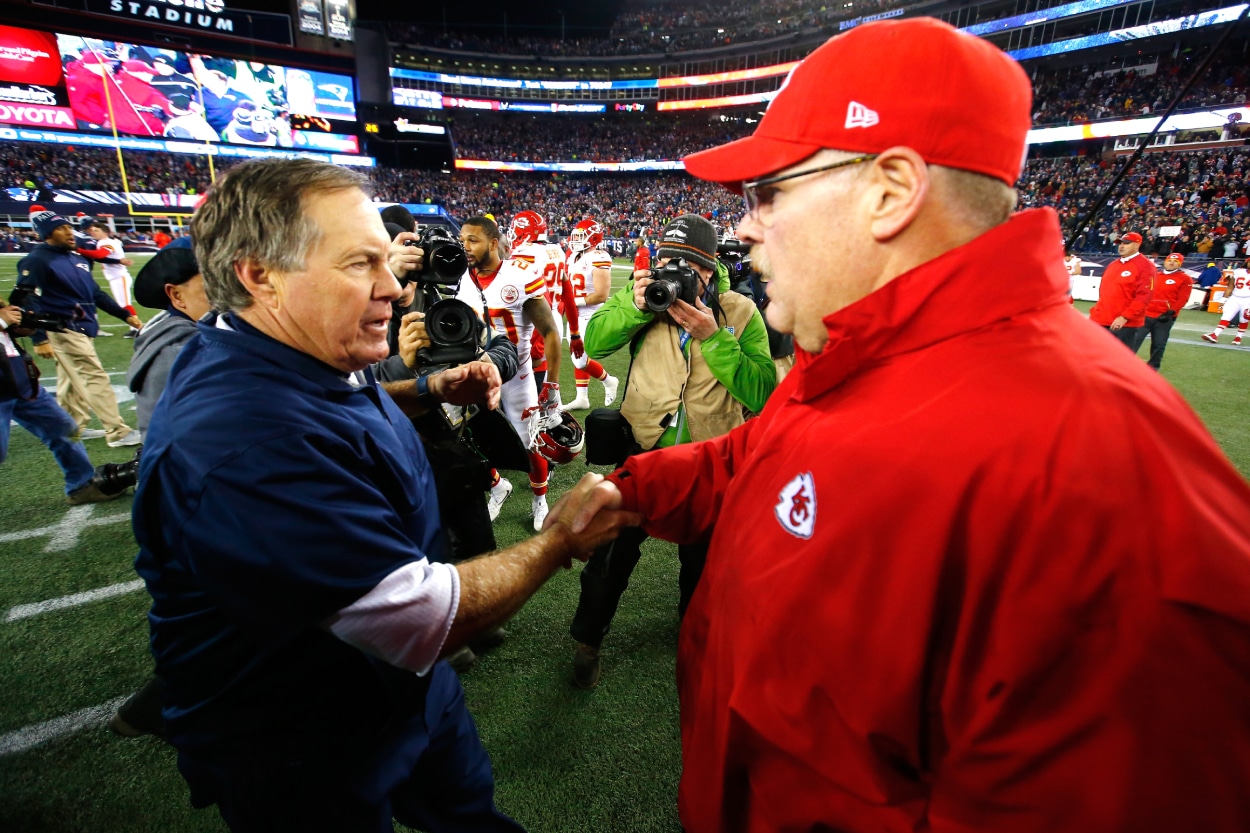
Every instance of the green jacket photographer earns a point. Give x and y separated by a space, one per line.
677 394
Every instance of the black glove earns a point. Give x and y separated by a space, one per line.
1168 315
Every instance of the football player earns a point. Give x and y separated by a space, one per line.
590 273
118 276
1236 304
515 292
555 272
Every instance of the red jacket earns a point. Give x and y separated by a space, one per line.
1126 288
1171 292
963 576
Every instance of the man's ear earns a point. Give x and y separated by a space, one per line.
259 282
901 184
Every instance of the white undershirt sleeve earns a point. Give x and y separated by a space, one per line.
405 619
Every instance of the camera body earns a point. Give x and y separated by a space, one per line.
42 321
736 256
675 280
454 331
445 261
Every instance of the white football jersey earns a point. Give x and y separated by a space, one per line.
113 271
547 260
581 268
506 292
1239 284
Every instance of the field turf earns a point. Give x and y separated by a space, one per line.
565 760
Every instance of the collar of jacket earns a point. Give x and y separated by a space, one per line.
1012 268
246 337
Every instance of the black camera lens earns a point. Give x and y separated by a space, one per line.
450 322
448 261
660 295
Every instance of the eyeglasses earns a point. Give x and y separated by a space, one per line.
760 192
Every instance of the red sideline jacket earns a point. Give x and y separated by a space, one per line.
1126 288
1171 292
966 574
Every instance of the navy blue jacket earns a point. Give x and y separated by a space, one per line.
1209 277
66 288
272 494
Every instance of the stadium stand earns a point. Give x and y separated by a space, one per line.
666 28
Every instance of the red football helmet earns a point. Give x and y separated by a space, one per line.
525 228
587 234
562 442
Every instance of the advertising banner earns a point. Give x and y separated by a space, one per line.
67 82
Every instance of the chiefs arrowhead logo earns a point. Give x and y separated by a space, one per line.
796 506
1125 273
1169 280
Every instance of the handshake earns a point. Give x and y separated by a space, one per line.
590 515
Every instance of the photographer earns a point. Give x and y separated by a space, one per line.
461 473
699 357
23 399
170 282
746 280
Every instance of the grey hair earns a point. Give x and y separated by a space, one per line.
979 200
256 212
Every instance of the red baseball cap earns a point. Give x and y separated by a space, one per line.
954 98
1131 237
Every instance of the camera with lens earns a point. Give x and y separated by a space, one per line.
42 321
444 262
453 328
454 331
115 478
675 280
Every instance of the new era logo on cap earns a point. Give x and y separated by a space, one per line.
857 115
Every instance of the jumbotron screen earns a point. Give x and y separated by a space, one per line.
74 83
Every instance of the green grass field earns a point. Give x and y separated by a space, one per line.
565 760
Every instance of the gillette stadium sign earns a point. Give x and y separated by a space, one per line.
208 16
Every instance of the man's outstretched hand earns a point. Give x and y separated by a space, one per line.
474 383
592 512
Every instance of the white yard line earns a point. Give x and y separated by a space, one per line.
64 535
75 600
29 737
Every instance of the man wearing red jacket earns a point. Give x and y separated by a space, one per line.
931 601
1172 287
1126 289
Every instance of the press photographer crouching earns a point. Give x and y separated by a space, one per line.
700 356
435 325
171 283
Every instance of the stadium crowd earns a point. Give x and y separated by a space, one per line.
1202 195
1192 202
654 29
623 204
1083 94
580 140
82 168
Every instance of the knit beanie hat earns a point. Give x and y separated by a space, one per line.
691 237
46 222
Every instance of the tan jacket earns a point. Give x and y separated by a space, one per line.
662 378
